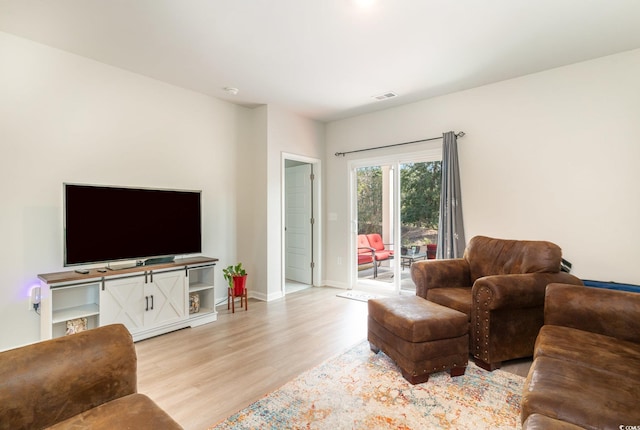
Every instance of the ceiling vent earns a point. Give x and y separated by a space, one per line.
385 96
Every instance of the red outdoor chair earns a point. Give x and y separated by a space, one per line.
382 253
366 254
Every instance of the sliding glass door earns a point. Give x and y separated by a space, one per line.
395 204
375 225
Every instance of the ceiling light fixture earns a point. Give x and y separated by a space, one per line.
364 4
231 90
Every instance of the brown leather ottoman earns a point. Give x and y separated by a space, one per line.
422 337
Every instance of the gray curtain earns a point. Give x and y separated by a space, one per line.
451 241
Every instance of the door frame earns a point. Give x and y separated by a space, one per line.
316 231
432 153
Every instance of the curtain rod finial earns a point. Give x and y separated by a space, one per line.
460 134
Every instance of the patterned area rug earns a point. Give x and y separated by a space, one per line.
362 390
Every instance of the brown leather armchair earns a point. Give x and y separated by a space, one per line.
85 380
500 284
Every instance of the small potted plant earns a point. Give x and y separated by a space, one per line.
236 277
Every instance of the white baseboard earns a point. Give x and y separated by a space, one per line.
336 284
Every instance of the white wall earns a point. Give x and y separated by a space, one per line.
552 156
252 203
261 242
64 118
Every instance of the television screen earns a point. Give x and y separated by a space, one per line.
104 223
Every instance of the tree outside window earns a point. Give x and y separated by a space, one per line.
420 185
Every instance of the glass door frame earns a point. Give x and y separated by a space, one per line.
432 153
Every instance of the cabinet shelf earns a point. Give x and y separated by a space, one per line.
64 315
199 287
201 284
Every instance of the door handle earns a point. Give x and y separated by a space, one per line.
151 301
146 298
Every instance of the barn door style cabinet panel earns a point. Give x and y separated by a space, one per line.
148 300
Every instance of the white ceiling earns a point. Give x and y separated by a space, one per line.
325 59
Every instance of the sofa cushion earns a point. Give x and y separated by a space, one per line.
375 240
363 245
489 256
135 411
365 253
589 349
454 298
365 258
597 310
585 396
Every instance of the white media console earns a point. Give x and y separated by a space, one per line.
148 300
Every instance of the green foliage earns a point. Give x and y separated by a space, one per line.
231 271
369 200
420 185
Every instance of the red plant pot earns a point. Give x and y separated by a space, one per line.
239 284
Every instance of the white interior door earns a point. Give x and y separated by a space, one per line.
298 224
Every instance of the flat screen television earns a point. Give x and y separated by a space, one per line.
105 223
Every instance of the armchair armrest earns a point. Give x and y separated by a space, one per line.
608 312
47 382
507 313
440 274
373 251
525 290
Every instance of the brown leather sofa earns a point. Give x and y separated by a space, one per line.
85 380
500 285
586 368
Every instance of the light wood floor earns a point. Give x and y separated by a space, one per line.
202 375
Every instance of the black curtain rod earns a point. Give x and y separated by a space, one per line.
459 134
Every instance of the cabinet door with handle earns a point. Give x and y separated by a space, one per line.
166 298
123 301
